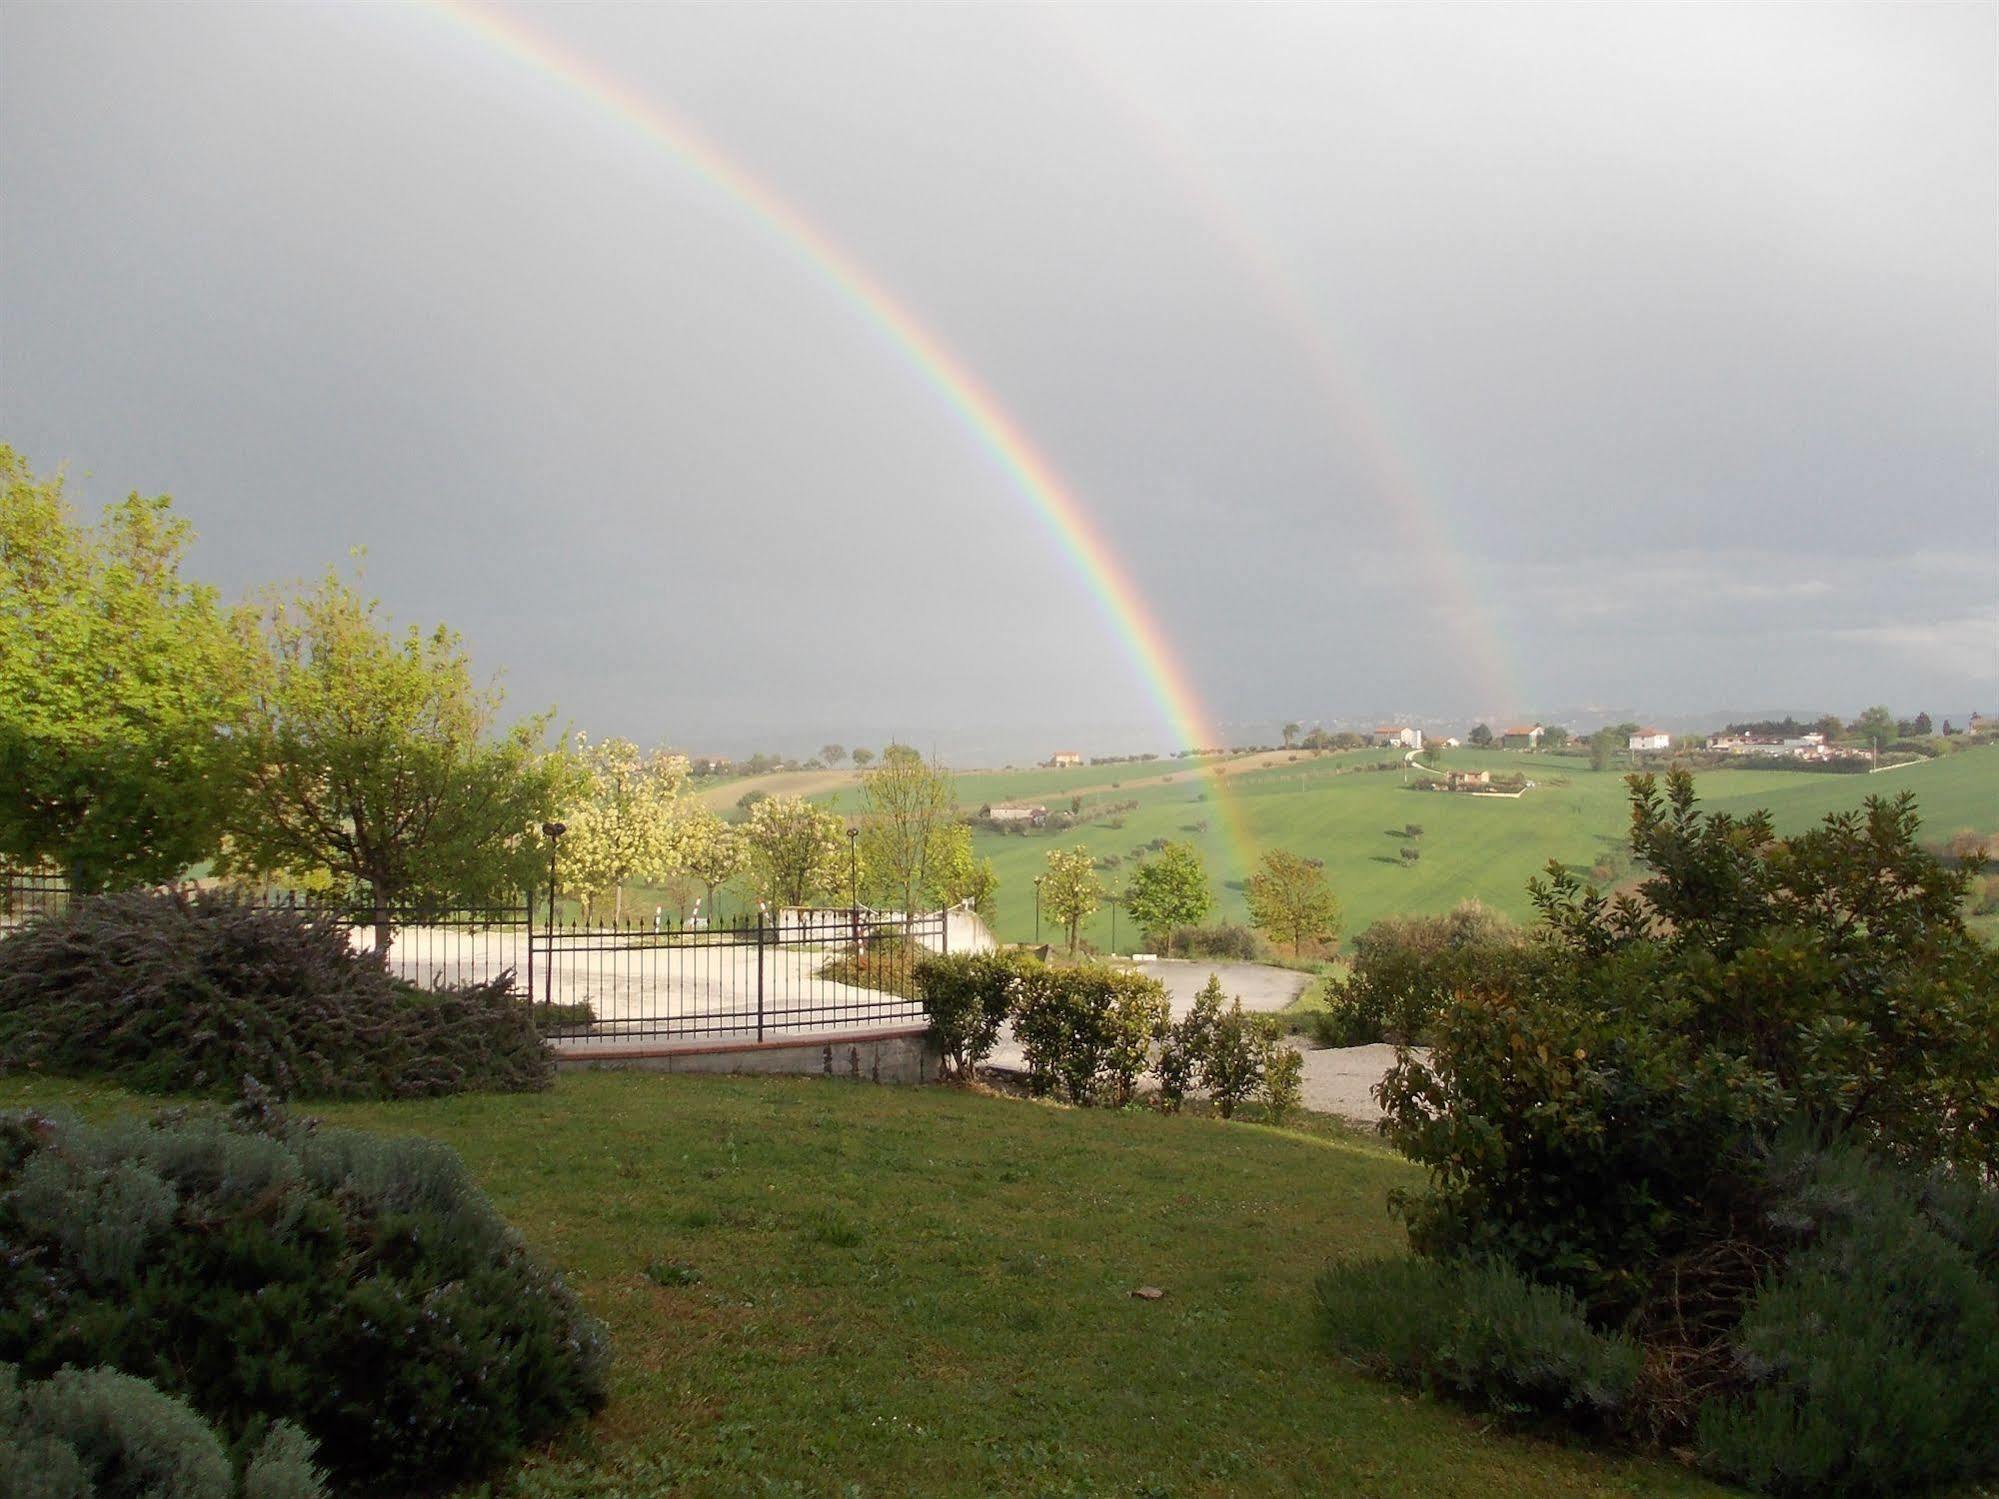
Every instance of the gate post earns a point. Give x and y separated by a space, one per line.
760 971
530 947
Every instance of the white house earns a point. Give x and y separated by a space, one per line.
1399 735
1650 739
1034 815
1062 758
1522 736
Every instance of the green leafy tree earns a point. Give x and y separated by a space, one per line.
375 758
1554 737
1480 736
1604 747
1169 890
713 851
1876 724
797 851
832 754
1070 890
1290 901
906 804
952 876
1290 735
1831 727
625 823
118 680
862 758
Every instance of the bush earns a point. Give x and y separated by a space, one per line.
1088 1029
262 1269
1872 1358
192 994
967 997
1231 1055
1596 1110
1480 1332
1225 941
97 1432
885 962
1407 968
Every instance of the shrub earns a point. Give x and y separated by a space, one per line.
178 993
1088 1029
967 997
886 962
97 1432
1230 1054
1872 1358
265 1270
1224 940
1407 968
1596 1110
1480 1332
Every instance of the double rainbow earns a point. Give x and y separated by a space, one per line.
1060 514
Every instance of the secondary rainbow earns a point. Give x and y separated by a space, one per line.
1060 513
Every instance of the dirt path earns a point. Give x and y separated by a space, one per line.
779 783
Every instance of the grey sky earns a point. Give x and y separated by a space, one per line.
1676 326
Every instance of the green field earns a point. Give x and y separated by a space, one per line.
823 1288
1480 847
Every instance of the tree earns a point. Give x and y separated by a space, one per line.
1554 737
832 754
1290 901
118 680
1921 725
1290 735
1831 727
797 851
374 758
1876 725
624 825
952 876
862 758
1168 891
1070 890
1604 745
905 803
713 852
1480 736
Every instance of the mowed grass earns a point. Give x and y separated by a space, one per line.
1485 848
824 1288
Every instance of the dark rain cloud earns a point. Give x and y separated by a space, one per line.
1656 346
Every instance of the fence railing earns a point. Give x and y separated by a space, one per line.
745 980
797 971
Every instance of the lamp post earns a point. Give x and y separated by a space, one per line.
854 883
1037 908
554 830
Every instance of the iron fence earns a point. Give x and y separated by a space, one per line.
792 972
746 980
27 893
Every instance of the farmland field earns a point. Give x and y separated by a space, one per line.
1333 808
1345 810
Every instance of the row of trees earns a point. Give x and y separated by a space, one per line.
1289 898
147 730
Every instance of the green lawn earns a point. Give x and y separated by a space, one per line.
1480 847
881 1291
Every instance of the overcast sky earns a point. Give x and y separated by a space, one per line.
1449 360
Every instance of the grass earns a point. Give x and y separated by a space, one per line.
821 1288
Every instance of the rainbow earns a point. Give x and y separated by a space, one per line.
1061 515
1366 427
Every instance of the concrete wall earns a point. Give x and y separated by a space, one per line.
883 1057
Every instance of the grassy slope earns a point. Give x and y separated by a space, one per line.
1471 846
923 1291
